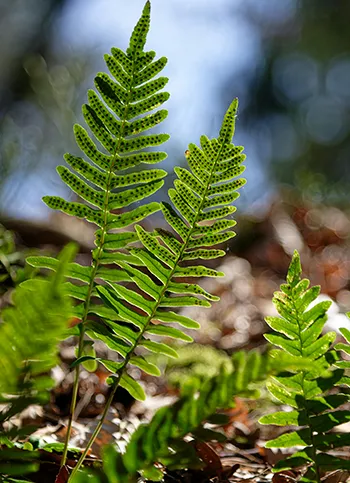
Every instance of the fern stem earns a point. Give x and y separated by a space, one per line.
82 329
73 400
97 429
313 446
130 353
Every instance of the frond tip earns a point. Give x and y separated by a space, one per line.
228 126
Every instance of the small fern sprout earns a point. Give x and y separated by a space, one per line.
306 389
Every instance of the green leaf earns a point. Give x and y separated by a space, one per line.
203 254
155 248
326 422
150 261
180 288
133 298
159 348
143 281
345 333
183 302
197 271
288 440
112 366
146 366
82 359
74 209
133 387
74 270
174 220
320 346
100 332
173 317
299 459
228 125
168 332
282 418
281 394
123 312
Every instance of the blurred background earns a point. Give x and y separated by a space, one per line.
288 61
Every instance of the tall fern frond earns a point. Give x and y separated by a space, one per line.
29 335
314 410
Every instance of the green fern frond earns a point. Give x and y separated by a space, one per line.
138 313
32 328
118 117
164 252
29 335
298 332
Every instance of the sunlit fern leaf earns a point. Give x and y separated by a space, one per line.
117 116
298 332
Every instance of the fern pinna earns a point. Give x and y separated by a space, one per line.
298 333
201 200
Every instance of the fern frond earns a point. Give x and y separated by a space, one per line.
163 253
29 335
298 332
118 117
155 269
